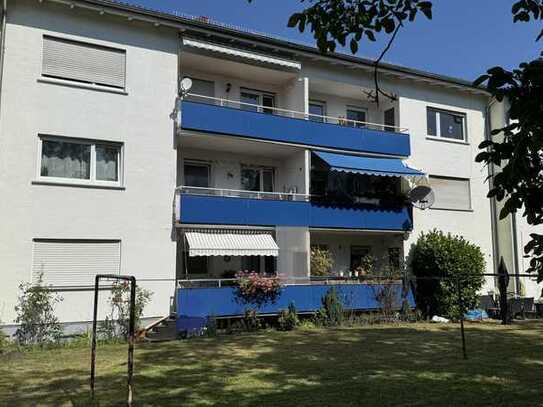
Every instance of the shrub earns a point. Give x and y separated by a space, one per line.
288 319
117 323
35 310
257 289
454 261
331 313
387 291
251 321
321 262
211 328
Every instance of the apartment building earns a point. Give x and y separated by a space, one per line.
273 150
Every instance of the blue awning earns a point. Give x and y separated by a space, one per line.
388 167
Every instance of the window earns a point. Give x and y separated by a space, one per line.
196 174
316 111
257 179
203 88
196 264
394 258
358 253
447 125
83 161
451 193
390 119
74 263
259 263
357 116
260 101
82 62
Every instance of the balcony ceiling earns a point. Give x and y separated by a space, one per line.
234 145
334 88
194 62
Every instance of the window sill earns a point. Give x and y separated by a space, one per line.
452 210
73 84
78 185
447 140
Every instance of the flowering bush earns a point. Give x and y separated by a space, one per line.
258 289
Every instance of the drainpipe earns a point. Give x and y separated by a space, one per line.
3 45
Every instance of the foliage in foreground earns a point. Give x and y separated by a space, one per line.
288 319
35 310
332 312
446 266
116 324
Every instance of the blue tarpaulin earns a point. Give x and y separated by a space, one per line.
391 167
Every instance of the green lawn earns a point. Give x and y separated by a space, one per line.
401 365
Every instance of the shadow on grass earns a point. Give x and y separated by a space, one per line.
411 365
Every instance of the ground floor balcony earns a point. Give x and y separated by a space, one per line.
197 303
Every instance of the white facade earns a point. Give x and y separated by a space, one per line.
137 212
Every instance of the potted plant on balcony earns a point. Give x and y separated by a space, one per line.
257 289
321 262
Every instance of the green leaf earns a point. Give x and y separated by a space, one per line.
293 20
370 35
354 46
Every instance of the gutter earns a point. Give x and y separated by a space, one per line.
2 45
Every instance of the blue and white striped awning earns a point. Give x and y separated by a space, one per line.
222 242
388 167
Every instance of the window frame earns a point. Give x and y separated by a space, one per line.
441 208
321 104
83 83
91 181
261 177
197 163
437 111
358 109
260 94
368 248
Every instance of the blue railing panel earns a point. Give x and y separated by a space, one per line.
200 209
194 305
231 121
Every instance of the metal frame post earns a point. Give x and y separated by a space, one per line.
131 332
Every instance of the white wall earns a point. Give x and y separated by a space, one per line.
293 260
139 215
448 159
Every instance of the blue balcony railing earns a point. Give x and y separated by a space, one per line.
287 210
195 305
293 128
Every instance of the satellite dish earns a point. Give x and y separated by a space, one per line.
422 197
186 84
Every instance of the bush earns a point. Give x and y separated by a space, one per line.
331 313
288 319
257 289
455 261
251 321
35 310
117 323
321 262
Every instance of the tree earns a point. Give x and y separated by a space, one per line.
519 153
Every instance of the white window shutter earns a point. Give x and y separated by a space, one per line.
74 263
87 63
451 193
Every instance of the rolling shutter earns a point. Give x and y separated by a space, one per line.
451 193
74 263
82 62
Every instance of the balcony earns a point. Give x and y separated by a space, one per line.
231 207
229 118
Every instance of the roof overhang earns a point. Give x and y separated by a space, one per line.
198 26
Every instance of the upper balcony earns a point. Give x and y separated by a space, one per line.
268 123
213 206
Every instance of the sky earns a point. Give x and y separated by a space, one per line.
464 38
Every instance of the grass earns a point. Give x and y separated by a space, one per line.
392 365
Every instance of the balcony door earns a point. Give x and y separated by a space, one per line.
196 174
257 101
257 179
